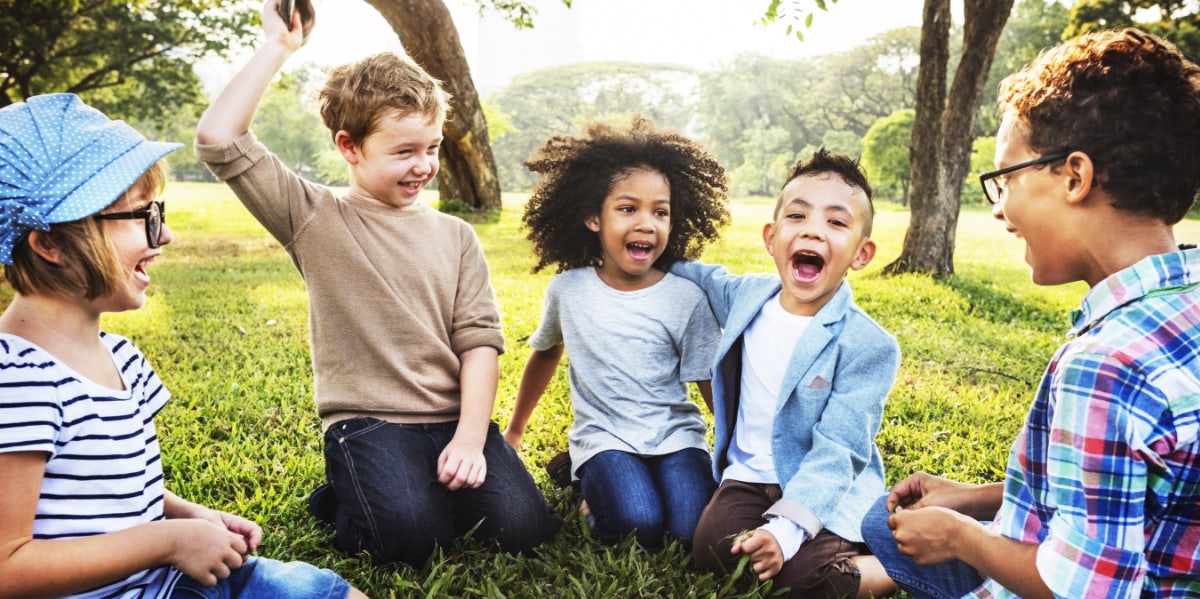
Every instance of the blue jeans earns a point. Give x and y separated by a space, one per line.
948 580
262 578
653 495
390 503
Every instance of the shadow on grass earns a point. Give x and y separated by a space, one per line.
1002 307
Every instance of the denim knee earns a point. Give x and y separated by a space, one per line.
942 581
389 502
621 518
874 528
621 493
262 578
686 482
509 507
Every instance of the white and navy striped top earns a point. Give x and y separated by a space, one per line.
103 469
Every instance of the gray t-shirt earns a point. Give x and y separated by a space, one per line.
631 354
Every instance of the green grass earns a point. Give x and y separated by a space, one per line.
226 328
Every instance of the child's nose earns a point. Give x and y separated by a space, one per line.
813 232
425 164
165 235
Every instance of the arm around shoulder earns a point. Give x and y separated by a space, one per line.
717 283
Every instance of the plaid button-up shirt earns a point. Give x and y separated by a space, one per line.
1105 474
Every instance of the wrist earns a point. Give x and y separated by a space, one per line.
967 536
469 436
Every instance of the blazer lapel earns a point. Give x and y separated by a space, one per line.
813 343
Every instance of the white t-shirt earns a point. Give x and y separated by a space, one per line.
767 347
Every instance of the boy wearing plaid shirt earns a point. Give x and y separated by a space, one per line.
1097 161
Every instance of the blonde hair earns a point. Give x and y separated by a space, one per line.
358 94
88 263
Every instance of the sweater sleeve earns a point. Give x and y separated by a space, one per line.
476 313
280 200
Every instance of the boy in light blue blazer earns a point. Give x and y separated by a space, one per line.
798 391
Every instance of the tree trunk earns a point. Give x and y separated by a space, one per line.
922 245
428 35
940 154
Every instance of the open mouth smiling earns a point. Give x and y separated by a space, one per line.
639 251
807 266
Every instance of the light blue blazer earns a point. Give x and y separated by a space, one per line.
830 405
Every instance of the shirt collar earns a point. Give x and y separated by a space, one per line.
1150 275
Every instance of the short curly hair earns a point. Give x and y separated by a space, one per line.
849 170
358 94
1131 102
577 173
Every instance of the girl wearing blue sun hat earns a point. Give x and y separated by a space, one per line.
84 511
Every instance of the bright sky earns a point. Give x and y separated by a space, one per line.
692 32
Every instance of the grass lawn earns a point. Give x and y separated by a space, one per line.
226 328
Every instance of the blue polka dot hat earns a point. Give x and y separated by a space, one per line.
62 160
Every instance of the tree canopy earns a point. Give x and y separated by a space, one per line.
1177 20
132 58
885 154
560 100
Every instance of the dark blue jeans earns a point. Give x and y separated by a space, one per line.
390 503
948 580
653 495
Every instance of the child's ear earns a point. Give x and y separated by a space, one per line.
866 253
42 245
346 146
592 223
768 236
1080 174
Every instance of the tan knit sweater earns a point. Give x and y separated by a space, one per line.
395 295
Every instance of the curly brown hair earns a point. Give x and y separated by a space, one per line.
577 173
1127 99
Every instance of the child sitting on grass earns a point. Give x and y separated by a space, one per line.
84 511
614 208
801 377
1097 160
404 324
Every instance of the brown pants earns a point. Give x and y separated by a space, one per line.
823 568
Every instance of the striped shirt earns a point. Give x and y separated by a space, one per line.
1105 474
103 469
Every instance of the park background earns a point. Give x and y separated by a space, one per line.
226 322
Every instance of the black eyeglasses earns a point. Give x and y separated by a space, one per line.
155 214
991 186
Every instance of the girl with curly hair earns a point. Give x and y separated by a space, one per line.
614 208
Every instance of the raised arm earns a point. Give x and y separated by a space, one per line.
229 115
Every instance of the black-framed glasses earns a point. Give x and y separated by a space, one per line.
155 214
991 186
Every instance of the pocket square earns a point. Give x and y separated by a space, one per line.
819 383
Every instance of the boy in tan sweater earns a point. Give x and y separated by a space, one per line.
405 327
